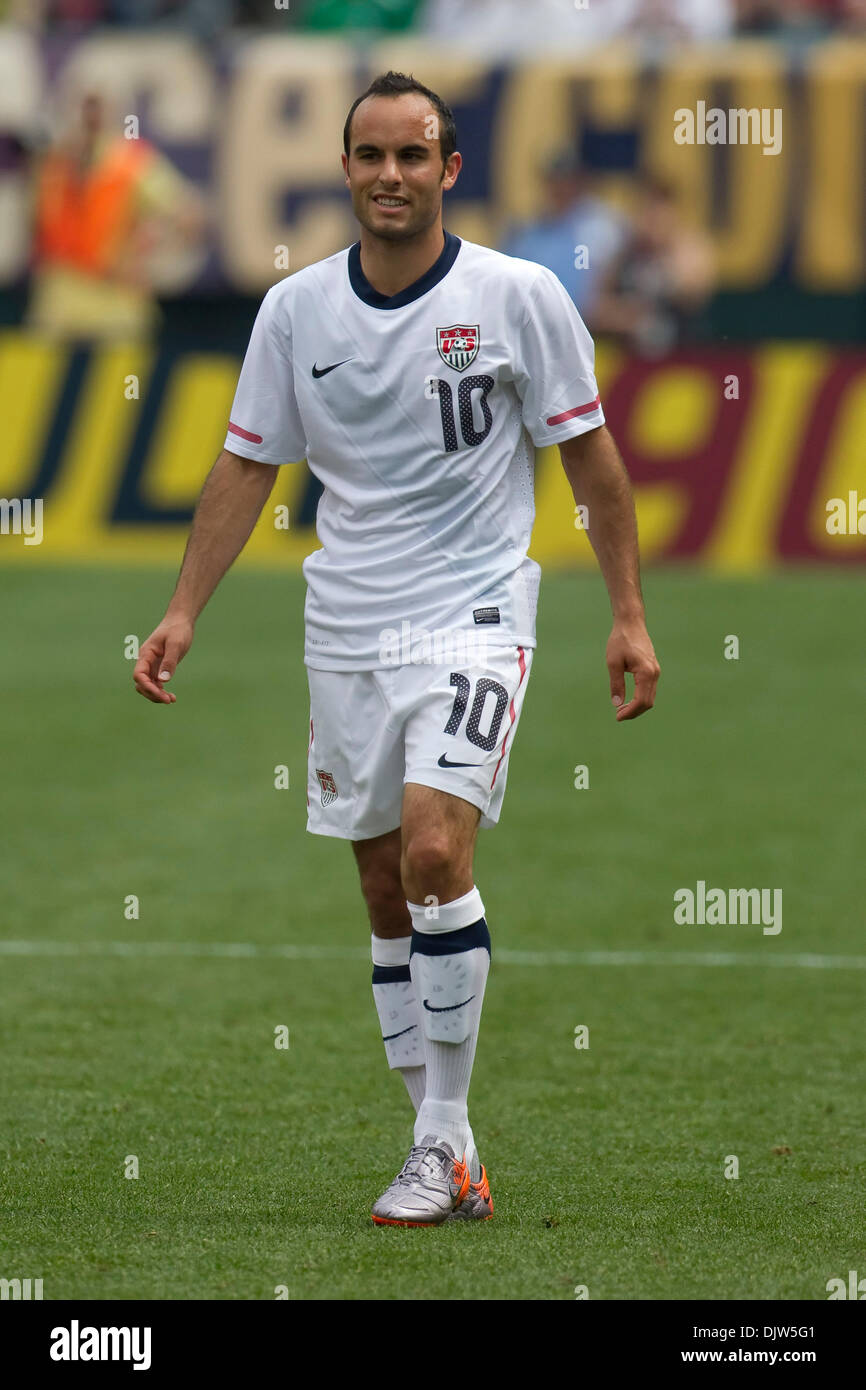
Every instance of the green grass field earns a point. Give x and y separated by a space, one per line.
258 1166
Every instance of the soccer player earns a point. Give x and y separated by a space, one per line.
415 372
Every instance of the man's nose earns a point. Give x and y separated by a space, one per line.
390 172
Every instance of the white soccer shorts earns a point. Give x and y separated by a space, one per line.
449 726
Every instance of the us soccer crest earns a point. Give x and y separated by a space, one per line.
458 345
328 785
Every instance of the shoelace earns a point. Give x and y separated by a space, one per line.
418 1164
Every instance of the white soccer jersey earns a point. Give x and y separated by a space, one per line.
418 413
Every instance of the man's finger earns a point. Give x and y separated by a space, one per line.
645 681
143 679
154 694
631 710
151 691
171 657
617 683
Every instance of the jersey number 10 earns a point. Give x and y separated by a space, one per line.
471 436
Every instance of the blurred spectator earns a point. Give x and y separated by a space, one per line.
103 207
73 14
655 289
206 18
358 14
512 26
787 18
680 19
578 236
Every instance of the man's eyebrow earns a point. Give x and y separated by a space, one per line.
367 145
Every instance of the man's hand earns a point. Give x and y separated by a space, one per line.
232 498
159 658
629 649
600 483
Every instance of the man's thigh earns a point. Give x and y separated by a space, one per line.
461 730
444 728
429 813
355 758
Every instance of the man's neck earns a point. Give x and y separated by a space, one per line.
392 266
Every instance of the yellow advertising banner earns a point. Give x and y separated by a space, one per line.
739 459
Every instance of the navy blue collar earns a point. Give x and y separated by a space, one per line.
438 270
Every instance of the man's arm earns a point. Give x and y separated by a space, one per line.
600 483
232 498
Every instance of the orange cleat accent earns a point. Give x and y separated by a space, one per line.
461 1176
477 1204
483 1189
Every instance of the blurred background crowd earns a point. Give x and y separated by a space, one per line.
104 204
501 23
109 209
162 162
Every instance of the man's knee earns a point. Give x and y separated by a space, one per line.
431 860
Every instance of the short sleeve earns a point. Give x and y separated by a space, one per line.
265 423
555 366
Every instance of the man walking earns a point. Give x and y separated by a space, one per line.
415 372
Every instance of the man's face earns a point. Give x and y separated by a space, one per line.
394 167
656 221
563 191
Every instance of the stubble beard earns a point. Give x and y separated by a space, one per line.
418 225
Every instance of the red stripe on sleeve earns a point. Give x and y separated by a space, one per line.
578 410
250 438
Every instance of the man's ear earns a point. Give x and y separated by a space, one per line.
451 169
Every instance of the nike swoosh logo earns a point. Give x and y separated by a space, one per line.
445 762
323 371
448 1008
391 1036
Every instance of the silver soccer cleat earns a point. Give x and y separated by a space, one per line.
429 1186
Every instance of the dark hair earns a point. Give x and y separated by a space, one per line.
394 84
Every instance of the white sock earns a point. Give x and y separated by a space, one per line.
397 1006
449 964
